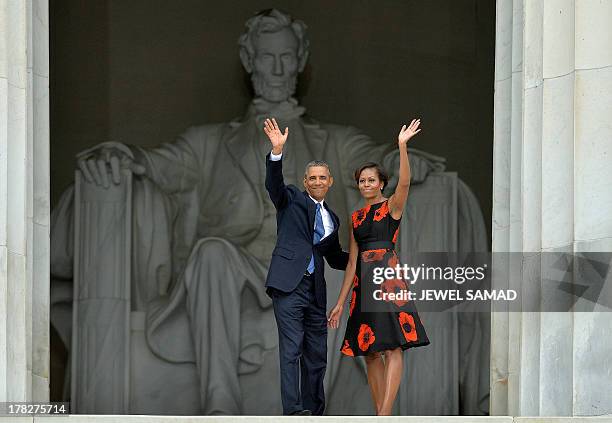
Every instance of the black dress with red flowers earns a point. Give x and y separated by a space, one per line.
379 322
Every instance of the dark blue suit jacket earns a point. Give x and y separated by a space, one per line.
295 229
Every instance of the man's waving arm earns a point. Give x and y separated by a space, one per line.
279 194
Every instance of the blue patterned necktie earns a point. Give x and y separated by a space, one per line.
319 231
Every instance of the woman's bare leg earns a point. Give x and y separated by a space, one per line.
393 376
376 378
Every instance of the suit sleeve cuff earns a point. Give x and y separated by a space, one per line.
275 157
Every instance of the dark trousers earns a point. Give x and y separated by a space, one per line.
302 336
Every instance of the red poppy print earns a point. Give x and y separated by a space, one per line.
408 328
394 240
381 212
359 216
366 337
395 286
373 255
392 262
355 281
346 349
353 300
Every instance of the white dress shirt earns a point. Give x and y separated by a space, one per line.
328 223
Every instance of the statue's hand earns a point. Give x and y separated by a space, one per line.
408 132
109 157
277 138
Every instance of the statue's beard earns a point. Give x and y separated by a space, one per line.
274 94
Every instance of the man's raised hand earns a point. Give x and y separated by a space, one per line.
277 138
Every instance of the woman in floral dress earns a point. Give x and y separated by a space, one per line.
378 327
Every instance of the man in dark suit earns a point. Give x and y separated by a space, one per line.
307 231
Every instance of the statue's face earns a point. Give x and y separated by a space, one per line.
275 65
370 184
317 182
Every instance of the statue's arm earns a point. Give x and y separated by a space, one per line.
174 166
357 148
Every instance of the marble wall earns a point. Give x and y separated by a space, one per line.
24 201
552 193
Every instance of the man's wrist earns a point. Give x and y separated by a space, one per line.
276 157
277 151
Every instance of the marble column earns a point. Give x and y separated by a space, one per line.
552 193
24 200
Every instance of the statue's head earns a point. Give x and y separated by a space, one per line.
274 49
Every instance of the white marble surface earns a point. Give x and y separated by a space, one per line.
592 363
14 125
555 359
40 303
3 156
16 168
553 179
269 419
558 30
503 41
593 419
40 199
3 318
515 175
16 329
517 35
24 201
501 172
500 230
558 162
593 150
41 174
532 44
593 34
531 174
327 419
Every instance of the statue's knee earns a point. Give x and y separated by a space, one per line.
210 249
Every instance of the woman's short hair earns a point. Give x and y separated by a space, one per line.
382 173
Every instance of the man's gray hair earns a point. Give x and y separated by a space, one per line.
272 20
316 163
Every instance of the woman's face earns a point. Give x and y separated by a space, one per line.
370 184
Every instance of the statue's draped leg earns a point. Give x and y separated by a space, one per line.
214 279
153 216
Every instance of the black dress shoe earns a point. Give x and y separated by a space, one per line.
302 413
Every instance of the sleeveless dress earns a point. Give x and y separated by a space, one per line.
394 323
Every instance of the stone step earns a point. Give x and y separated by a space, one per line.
80 418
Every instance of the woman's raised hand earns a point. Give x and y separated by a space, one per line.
408 132
277 138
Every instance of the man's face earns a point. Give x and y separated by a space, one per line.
317 182
275 65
